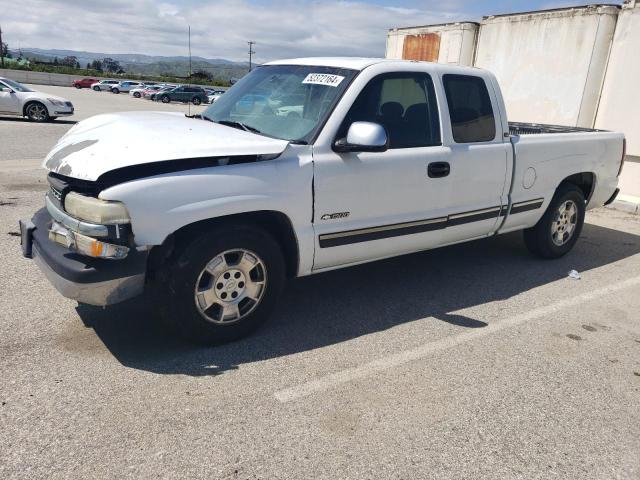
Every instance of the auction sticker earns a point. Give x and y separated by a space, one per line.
323 79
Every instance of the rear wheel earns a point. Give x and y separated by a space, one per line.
559 228
196 101
165 99
37 112
115 90
224 284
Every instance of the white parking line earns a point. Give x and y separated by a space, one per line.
386 363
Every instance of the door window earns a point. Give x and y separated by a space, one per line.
472 118
404 104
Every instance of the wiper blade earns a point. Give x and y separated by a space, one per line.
246 128
197 116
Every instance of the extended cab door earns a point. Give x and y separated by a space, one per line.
426 190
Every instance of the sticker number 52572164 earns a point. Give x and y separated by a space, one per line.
323 79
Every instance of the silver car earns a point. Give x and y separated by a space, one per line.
104 85
17 99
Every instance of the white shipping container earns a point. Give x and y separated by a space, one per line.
452 43
550 64
620 101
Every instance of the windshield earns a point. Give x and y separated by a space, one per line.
18 87
290 102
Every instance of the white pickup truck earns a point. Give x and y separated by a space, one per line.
304 166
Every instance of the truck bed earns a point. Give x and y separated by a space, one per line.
519 128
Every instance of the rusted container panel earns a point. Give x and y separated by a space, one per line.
425 47
452 43
550 64
620 101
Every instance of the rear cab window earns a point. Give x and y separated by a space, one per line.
470 110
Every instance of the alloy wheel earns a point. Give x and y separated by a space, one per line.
230 286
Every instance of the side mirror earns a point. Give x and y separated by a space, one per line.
363 137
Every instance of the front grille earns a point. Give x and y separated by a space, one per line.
57 194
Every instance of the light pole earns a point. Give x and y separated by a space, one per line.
2 50
251 51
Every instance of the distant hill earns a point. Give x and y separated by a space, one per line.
141 64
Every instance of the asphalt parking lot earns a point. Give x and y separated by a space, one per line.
473 361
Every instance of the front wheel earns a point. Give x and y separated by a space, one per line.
196 101
115 90
37 112
97 89
136 94
78 86
224 284
559 228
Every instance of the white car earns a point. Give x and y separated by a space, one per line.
212 212
16 99
125 86
103 85
141 91
213 95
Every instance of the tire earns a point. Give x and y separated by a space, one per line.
559 228
196 101
115 90
78 86
97 89
36 112
136 94
192 296
51 119
165 99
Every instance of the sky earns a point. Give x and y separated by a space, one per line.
221 28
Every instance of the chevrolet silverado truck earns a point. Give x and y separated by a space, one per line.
213 212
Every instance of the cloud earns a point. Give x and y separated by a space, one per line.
219 28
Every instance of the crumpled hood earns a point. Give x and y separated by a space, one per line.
115 140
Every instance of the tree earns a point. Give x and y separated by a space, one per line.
111 65
201 75
96 65
88 66
78 65
55 60
69 61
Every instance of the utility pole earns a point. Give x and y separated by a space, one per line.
251 51
1 49
189 54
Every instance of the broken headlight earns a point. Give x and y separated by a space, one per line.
95 210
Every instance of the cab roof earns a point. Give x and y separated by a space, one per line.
360 63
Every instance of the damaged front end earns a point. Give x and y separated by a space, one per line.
84 245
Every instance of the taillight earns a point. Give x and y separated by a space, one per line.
624 154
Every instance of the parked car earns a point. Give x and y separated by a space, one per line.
183 93
104 85
16 99
124 87
84 82
211 213
146 91
161 90
213 95
139 90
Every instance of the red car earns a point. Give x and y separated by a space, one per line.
85 82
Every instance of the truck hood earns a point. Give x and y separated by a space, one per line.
116 140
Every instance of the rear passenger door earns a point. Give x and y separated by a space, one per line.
479 157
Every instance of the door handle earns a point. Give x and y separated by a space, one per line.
438 169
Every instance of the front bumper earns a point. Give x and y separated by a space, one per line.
95 281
